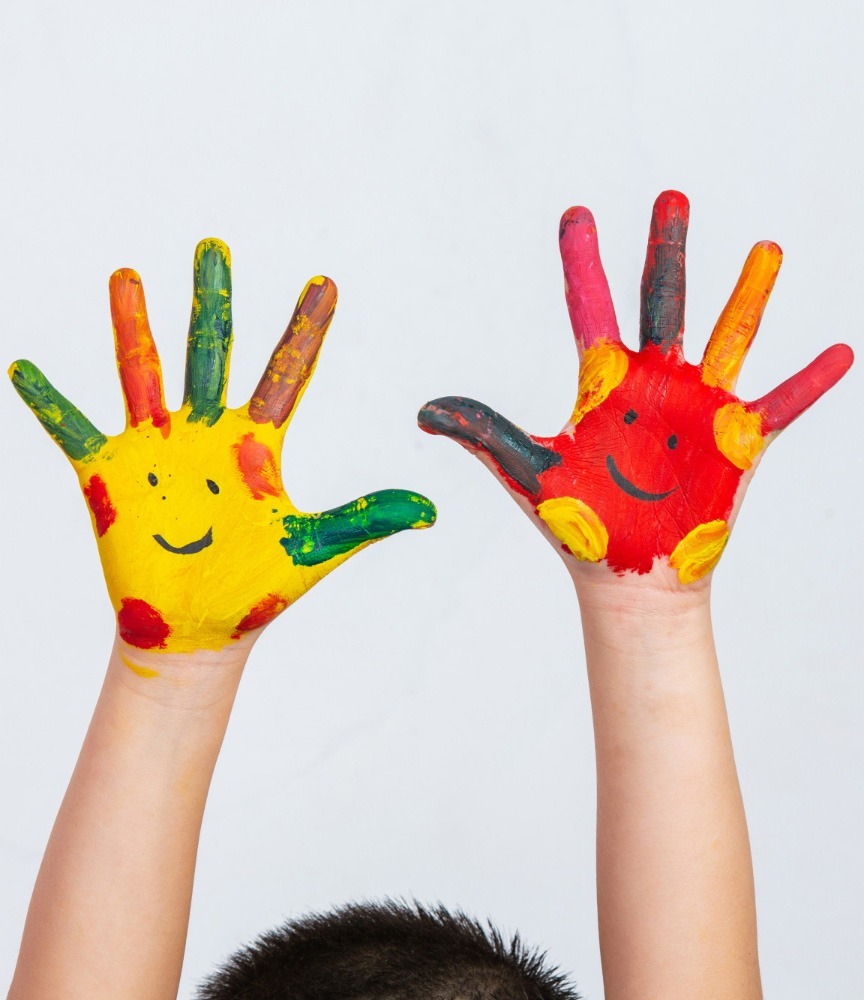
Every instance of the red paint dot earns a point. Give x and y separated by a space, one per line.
141 624
104 512
261 614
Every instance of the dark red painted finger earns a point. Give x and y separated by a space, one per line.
519 458
293 361
137 358
589 302
790 399
663 280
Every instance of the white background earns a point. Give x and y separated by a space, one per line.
419 725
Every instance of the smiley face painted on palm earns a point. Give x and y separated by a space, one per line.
198 540
646 460
651 463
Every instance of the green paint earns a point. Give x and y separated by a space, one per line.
63 421
315 538
210 333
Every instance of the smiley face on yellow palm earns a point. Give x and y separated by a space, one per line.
198 540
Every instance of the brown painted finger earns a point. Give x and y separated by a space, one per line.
293 361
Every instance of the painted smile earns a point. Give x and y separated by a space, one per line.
190 547
631 488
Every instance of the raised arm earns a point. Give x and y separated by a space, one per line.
638 494
201 548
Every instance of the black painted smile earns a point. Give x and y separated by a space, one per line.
631 488
191 547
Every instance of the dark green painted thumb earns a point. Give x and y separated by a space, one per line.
314 538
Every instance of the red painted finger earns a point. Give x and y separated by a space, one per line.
293 361
137 359
661 319
790 399
592 314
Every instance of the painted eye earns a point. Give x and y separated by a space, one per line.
673 441
212 486
630 416
151 479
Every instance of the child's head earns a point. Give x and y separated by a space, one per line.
384 952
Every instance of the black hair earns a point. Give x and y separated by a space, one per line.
386 951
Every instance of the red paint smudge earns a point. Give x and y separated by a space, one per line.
257 467
104 512
141 624
261 614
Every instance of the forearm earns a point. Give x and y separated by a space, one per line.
675 881
111 903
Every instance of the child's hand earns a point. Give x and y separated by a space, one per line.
198 540
653 462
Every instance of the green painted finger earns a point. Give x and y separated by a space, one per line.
63 421
210 332
315 538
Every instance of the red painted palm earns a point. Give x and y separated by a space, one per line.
653 462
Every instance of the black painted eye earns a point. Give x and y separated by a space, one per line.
212 486
630 416
673 441
151 479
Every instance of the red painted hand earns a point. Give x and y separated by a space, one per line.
653 463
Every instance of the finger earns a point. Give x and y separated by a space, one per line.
519 458
64 422
592 314
663 281
314 538
790 399
210 332
292 363
731 338
137 358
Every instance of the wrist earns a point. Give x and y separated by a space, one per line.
197 681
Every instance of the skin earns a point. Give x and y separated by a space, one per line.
638 494
198 539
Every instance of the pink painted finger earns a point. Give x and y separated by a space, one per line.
792 397
592 314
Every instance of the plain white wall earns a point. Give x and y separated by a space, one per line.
419 724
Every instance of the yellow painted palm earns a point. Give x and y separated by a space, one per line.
198 539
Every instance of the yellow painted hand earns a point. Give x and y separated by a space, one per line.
198 540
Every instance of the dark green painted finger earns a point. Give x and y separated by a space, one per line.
314 538
210 332
63 421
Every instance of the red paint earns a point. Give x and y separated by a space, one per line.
592 314
141 624
669 398
257 467
261 614
104 512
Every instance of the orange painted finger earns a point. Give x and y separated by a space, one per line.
739 321
293 361
137 359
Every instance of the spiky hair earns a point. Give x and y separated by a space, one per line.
386 951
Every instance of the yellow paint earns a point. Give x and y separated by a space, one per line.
575 524
699 550
204 595
738 433
739 321
603 367
136 669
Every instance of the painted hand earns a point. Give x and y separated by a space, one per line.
652 464
198 539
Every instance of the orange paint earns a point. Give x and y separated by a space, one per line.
262 614
257 467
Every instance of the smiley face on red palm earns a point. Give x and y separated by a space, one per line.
653 461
